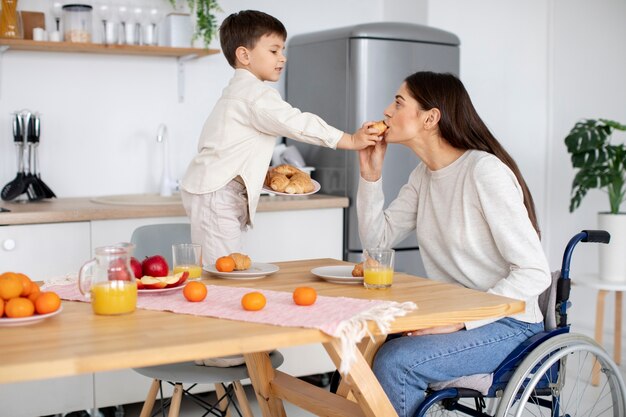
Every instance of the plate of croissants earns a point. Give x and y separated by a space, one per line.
340 274
288 180
244 268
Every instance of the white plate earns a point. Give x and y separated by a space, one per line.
257 270
315 184
148 290
28 320
341 274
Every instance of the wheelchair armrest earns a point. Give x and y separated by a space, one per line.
509 364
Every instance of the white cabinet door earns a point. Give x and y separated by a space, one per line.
43 251
298 234
50 396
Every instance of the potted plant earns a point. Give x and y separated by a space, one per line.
205 21
602 164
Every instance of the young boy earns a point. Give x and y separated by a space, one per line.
222 185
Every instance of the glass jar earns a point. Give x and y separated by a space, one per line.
10 21
77 22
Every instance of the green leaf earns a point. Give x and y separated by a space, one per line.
600 164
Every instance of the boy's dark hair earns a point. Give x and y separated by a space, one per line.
245 28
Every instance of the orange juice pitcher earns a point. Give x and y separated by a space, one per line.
108 281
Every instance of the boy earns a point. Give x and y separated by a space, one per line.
222 185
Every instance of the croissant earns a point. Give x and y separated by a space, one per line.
278 182
289 179
358 270
286 169
299 183
381 126
242 261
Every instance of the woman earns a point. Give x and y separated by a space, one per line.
476 226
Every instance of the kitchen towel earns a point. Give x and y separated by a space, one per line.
341 317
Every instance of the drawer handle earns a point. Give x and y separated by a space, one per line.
8 244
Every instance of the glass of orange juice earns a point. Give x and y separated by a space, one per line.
108 281
187 257
378 268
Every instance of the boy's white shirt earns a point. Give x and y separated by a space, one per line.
239 135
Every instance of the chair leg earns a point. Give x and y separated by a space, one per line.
242 398
148 405
177 397
220 392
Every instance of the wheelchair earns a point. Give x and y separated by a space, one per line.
554 373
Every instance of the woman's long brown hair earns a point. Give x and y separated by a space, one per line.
460 124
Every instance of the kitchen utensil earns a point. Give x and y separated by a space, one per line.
108 281
18 185
36 133
34 191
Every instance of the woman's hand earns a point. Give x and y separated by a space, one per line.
371 161
437 330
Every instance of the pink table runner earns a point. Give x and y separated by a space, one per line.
342 317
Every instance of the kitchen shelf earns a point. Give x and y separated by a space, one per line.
182 55
96 48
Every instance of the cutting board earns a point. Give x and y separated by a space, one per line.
32 20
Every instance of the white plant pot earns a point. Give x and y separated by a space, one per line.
613 256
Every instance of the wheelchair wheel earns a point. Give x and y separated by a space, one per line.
555 380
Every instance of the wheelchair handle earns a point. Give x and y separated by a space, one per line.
595 236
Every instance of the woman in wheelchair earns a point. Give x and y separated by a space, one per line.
476 226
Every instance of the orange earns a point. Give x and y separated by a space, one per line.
10 285
1 307
19 307
26 284
47 302
253 301
304 296
225 264
195 291
34 291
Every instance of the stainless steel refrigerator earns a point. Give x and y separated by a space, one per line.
349 75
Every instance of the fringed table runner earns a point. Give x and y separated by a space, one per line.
341 317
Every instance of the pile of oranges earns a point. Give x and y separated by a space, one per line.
21 297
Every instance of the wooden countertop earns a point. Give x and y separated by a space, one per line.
84 209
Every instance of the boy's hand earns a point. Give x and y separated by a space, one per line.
361 139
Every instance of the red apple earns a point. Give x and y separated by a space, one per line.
135 265
118 270
155 266
140 285
180 278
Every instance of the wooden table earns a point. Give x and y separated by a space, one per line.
77 341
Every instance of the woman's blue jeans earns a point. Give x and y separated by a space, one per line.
406 365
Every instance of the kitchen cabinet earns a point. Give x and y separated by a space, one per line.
182 55
44 251
61 248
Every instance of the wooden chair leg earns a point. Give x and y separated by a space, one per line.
595 378
242 399
220 392
177 397
148 405
618 327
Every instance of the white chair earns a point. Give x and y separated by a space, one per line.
157 239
